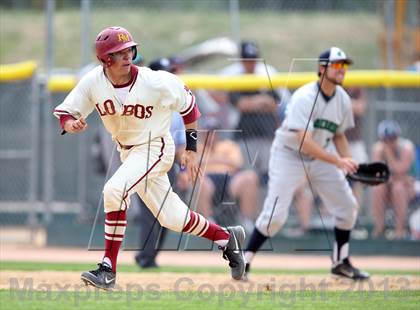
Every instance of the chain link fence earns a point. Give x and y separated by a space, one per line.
58 174
35 156
19 152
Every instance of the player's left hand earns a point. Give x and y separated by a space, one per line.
189 161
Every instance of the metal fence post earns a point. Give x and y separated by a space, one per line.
48 147
34 159
235 24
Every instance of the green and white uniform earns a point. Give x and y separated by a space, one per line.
286 172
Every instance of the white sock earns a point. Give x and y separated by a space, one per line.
339 256
107 261
221 243
249 256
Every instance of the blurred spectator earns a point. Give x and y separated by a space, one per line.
209 106
414 224
399 154
355 135
415 65
258 110
223 178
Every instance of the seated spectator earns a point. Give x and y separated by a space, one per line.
414 224
354 135
399 154
223 178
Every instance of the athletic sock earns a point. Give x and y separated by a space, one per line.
115 224
198 225
255 242
341 245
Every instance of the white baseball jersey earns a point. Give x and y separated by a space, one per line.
138 116
328 117
135 113
286 171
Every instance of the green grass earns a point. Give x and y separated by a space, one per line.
37 266
45 296
216 299
286 35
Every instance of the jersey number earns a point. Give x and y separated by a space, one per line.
138 110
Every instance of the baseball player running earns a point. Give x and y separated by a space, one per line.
135 105
320 130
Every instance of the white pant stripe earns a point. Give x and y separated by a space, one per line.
119 222
115 230
205 229
193 224
200 225
113 238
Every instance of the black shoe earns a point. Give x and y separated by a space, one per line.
145 263
345 269
103 277
233 252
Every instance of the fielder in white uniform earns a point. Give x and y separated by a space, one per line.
318 114
136 105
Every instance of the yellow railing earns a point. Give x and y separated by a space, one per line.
18 71
363 78
370 79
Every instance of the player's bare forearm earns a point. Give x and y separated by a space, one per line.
342 145
313 149
310 147
193 125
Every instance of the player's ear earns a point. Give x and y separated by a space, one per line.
109 61
321 70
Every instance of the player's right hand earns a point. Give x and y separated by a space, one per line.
76 125
347 164
189 162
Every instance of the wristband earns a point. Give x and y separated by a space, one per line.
191 139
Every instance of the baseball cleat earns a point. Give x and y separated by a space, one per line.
103 277
245 277
233 252
346 270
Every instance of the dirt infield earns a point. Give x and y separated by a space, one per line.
162 281
210 259
70 281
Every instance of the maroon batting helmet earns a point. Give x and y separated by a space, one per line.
111 40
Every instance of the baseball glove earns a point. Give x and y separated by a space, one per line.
371 174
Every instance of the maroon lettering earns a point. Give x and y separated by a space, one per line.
149 111
138 111
109 107
128 110
101 112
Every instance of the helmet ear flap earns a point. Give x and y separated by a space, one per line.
134 49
